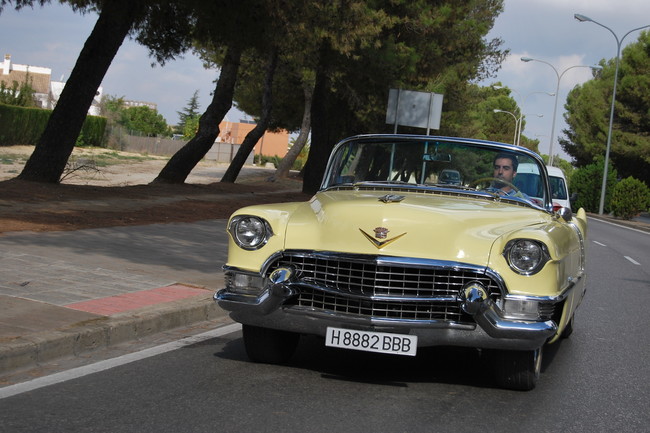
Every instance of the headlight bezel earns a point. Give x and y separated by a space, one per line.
517 252
257 229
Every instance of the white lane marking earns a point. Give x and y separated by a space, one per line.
632 260
85 370
618 225
598 243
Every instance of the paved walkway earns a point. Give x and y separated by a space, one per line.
64 293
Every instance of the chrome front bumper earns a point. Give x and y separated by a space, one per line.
491 331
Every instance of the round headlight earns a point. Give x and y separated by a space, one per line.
250 232
526 256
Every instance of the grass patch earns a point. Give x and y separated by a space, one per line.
105 159
9 159
97 157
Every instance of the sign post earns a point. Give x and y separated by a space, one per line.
416 109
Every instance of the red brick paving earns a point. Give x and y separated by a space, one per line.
132 301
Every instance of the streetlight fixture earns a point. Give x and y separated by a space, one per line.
518 122
557 93
583 18
519 125
521 122
514 140
523 104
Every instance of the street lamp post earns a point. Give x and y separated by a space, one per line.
582 18
514 141
557 93
521 120
518 121
519 124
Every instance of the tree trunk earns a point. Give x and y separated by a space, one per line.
47 162
292 154
183 162
256 133
321 142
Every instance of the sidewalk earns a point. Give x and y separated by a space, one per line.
66 293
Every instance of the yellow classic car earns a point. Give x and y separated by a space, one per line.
388 257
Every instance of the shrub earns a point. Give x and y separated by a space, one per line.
261 160
587 183
298 164
629 198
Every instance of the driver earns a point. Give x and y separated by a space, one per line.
505 168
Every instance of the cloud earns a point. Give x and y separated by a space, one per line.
592 6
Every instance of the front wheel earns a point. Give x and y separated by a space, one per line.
269 346
516 369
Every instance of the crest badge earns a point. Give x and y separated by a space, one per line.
381 232
380 240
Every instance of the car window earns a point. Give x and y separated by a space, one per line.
558 188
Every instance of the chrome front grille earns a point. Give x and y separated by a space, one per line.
370 287
397 310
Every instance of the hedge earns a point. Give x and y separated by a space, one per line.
22 125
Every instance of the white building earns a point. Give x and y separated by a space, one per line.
46 91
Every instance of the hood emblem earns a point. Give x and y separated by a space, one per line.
380 233
391 198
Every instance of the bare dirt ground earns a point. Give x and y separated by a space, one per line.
121 193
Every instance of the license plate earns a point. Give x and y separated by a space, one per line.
381 342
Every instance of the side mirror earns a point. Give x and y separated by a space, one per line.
565 213
439 157
573 198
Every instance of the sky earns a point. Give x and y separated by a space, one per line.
52 37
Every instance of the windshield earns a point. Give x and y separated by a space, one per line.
472 167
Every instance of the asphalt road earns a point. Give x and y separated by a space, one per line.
596 381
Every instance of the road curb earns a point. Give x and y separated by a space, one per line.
633 224
83 337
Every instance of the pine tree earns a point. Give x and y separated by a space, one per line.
190 112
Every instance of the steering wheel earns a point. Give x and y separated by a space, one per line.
475 183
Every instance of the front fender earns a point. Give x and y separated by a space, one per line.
278 216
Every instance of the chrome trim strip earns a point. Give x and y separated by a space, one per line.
558 298
581 238
498 327
352 318
236 270
375 297
433 190
412 262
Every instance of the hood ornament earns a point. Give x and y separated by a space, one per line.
391 198
380 233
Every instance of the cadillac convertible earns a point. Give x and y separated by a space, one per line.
390 256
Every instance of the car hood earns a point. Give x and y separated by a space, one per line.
422 225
